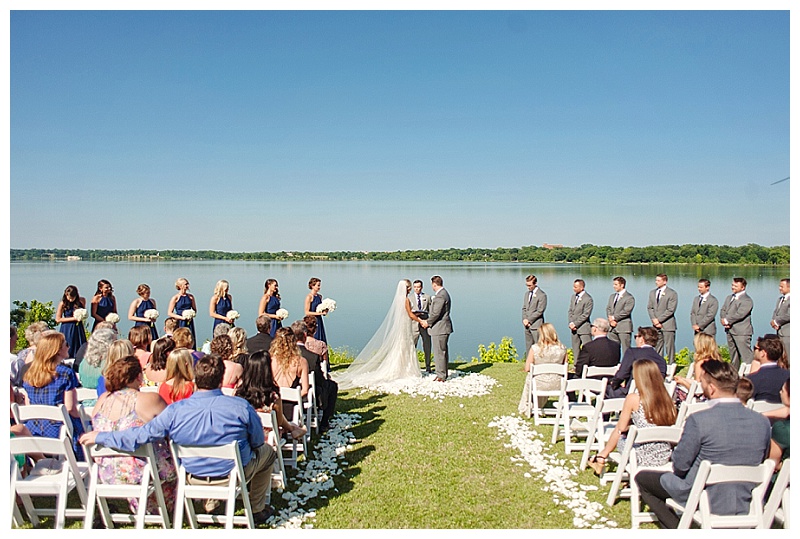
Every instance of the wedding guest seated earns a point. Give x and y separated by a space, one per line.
289 369
260 390
548 349
119 349
780 439
315 345
646 339
223 347
705 348
184 339
327 390
94 361
220 329
170 325
649 406
25 356
122 407
261 340
208 417
770 377
744 390
155 373
180 375
600 352
239 340
141 337
81 353
48 381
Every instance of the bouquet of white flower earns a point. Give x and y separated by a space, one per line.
232 314
151 314
112 317
282 314
188 314
80 314
327 305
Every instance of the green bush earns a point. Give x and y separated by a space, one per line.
340 356
505 353
24 315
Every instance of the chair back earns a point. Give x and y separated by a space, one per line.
778 498
86 393
763 406
30 412
592 370
744 369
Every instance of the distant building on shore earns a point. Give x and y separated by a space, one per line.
73 258
552 245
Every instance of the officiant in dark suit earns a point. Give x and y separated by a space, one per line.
420 304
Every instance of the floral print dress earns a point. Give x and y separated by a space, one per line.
127 470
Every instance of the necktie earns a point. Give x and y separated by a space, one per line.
700 301
616 298
577 297
658 295
530 297
419 302
782 300
733 298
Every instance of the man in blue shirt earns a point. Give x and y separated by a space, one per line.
208 418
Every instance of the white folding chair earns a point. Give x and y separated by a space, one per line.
744 369
310 405
293 395
763 406
229 391
671 368
235 487
86 417
65 475
150 484
697 508
545 416
16 516
688 409
30 412
579 419
86 393
274 438
149 389
670 386
603 429
590 371
777 506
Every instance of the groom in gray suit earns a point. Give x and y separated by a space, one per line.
534 302
439 327
420 304
780 317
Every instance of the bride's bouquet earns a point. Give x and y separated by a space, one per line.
188 314
327 304
80 315
233 315
151 314
112 318
282 314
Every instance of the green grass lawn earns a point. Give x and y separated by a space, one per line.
422 463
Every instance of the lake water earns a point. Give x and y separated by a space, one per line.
487 298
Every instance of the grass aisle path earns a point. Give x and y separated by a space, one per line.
422 463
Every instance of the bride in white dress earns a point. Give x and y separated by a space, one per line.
390 354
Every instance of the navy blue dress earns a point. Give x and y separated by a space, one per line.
73 332
146 305
104 307
272 307
224 306
320 333
183 303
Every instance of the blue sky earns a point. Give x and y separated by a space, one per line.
352 130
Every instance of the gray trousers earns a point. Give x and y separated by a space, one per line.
441 354
739 347
666 345
577 342
418 332
624 339
531 338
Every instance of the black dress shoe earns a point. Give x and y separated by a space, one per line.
262 516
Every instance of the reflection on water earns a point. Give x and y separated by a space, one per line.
487 298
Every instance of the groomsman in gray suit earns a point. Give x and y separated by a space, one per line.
735 318
704 310
534 302
439 327
579 314
619 309
420 303
780 317
661 307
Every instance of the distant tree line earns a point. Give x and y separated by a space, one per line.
585 254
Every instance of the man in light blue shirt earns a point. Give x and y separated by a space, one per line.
211 418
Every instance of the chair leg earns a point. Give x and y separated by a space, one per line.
33 515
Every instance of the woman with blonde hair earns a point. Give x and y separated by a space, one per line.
50 382
25 357
548 349
221 304
705 348
119 349
180 377
180 303
140 306
238 338
649 406
289 368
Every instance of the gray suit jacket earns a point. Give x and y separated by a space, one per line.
781 317
425 300
737 313
715 435
622 311
534 311
703 314
664 309
439 322
580 313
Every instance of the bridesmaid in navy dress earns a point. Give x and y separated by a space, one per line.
73 331
313 300
269 305
103 302
180 302
221 304
141 305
